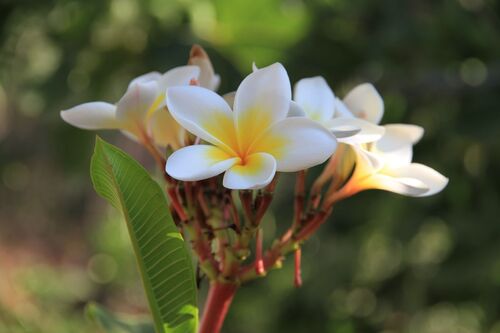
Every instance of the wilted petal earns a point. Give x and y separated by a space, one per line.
198 162
262 99
179 76
140 98
315 97
256 172
433 180
203 113
367 132
297 143
365 102
207 78
91 116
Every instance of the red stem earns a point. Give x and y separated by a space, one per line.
220 296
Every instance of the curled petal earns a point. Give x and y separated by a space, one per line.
91 116
315 97
255 172
402 185
297 143
203 113
207 78
262 99
433 180
179 76
140 98
367 132
365 102
198 162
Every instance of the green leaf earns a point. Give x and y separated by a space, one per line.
112 323
164 263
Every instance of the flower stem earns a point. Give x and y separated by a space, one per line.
220 296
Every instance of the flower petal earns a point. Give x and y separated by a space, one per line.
295 110
203 113
315 97
365 102
140 98
433 180
91 116
207 78
179 76
368 132
402 185
398 135
257 171
165 130
341 110
262 99
151 76
297 143
198 162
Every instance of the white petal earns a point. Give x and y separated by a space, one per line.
258 171
433 180
368 132
365 102
262 99
140 98
198 162
203 113
401 185
179 76
207 78
341 110
151 76
398 135
297 143
165 130
295 110
367 163
91 116
315 97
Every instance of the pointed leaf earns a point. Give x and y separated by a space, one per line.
164 263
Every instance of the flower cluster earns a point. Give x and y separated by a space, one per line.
230 147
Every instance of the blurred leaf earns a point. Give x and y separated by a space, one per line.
164 262
113 323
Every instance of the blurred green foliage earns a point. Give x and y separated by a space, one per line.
383 263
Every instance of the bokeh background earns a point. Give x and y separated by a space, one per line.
383 263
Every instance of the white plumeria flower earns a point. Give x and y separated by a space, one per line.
387 165
140 111
252 142
314 98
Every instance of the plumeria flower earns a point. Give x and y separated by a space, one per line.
314 98
139 112
387 165
251 142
